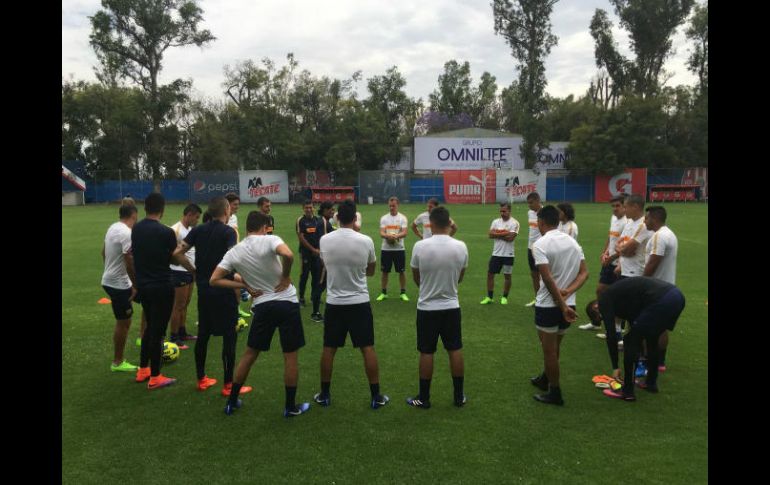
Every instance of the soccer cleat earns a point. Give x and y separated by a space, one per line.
532 303
243 314
188 337
317 317
619 395
160 381
503 300
302 301
461 402
230 407
382 296
416 402
403 297
139 342
302 408
229 387
323 400
180 343
380 401
142 374
589 326
601 336
487 301
641 369
551 398
653 388
662 368
205 383
123 367
620 346
541 382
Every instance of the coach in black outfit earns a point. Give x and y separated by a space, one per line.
309 229
652 306
153 245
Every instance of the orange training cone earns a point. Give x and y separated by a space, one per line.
104 301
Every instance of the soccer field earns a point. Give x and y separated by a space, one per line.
116 431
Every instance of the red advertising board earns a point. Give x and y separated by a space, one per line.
465 186
630 181
667 193
333 194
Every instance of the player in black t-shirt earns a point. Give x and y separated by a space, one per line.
309 230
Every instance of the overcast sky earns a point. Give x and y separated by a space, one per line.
335 38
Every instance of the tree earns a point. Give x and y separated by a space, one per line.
526 26
388 98
698 32
650 24
454 94
485 108
130 37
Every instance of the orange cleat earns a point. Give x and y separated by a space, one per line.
205 383
142 374
160 381
229 386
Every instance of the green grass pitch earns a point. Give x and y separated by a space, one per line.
116 431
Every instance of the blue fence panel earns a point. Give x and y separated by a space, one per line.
573 188
175 190
114 190
422 189
671 177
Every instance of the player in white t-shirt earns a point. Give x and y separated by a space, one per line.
633 239
356 225
562 267
438 266
118 280
660 262
183 279
349 259
424 221
567 223
534 204
264 263
393 230
503 231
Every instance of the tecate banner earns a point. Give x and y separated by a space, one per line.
631 181
467 186
273 184
467 153
516 185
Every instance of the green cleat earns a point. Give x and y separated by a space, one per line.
138 342
243 314
404 297
123 367
530 304
382 296
487 301
503 300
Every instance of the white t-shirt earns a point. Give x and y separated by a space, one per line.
503 248
233 222
336 222
259 265
424 220
634 265
563 255
663 243
616 229
440 260
182 232
393 225
117 242
534 232
569 228
346 254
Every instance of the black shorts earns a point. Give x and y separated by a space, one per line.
281 314
551 319
497 263
181 278
607 275
393 258
661 315
341 319
217 311
434 323
121 306
531 260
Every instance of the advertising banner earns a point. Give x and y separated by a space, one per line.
206 185
516 185
436 153
469 186
698 176
630 181
555 157
273 184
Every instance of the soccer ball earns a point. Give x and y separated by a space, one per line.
170 351
241 324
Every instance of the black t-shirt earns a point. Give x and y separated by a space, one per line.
270 225
626 299
152 245
211 240
312 228
328 226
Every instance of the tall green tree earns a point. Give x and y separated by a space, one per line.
130 37
526 26
454 94
388 98
698 32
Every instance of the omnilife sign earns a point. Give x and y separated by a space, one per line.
442 153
